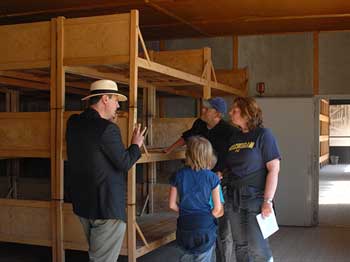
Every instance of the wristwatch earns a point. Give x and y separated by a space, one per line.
268 200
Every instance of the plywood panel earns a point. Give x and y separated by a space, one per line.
25 134
190 61
25 43
24 221
167 130
96 37
235 78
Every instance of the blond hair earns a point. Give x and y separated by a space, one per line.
200 153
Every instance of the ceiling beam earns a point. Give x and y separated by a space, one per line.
176 17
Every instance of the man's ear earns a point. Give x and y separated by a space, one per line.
104 99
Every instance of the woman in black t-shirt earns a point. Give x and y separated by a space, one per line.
252 162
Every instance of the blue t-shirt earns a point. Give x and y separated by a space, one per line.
194 189
249 152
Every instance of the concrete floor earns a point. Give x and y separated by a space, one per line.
289 244
327 243
334 195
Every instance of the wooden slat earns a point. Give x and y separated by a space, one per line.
324 138
324 158
95 73
160 156
324 118
21 137
97 40
25 45
25 221
190 60
156 67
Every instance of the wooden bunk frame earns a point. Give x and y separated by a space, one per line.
95 47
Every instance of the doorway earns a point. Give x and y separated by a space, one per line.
334 175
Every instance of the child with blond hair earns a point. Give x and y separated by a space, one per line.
196 186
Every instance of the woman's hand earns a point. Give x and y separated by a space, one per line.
266 209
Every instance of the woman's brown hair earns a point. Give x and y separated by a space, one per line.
199 153
250 111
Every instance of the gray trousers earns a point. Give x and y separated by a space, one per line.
105 238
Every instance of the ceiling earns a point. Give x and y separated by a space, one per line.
163 19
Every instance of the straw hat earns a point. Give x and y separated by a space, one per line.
105 87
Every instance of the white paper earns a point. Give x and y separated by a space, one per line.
268 225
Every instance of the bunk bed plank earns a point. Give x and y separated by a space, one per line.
26 45
25 221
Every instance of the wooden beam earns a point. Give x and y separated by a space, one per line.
131 201
23 83
34 80
95 73
316 88
235 52
207 72
324 138
324 118
160 156
170 14
324 158
59 109
56 247
156 67
227 89
190 92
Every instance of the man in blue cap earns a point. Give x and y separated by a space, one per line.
211 126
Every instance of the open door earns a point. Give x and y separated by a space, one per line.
324 132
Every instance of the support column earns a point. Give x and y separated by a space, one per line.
131 219
12 167
207 72
57 100
152 167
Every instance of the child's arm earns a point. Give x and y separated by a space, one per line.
218 209
172 199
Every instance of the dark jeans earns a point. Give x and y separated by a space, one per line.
224 243
250 244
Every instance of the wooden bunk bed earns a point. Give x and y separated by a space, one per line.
60 57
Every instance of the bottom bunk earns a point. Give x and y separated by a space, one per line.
157 229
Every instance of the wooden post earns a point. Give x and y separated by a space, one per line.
207 73
134 23
235 52
152 167
12 169
316 88
57 180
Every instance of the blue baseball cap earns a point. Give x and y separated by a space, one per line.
218 103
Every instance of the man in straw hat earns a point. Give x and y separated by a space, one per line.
97 164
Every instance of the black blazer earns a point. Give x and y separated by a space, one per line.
97 165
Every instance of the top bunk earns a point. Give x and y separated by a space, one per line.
107 47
